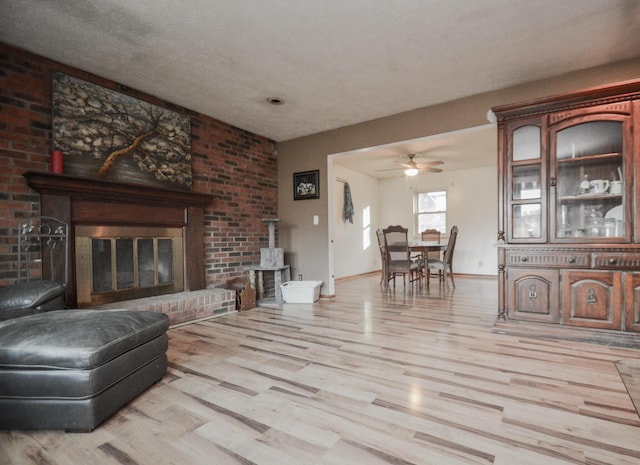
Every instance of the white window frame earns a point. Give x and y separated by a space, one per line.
417 213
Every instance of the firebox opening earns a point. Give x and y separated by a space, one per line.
115 263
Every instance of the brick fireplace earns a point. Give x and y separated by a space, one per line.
149 215
239 168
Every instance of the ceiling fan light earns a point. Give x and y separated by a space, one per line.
411 171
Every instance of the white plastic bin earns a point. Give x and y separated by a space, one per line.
301 292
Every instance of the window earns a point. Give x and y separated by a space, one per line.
366 227
431 211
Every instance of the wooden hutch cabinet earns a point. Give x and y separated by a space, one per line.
569 209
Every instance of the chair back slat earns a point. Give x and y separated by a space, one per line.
397 248
383 256
430 235
451 245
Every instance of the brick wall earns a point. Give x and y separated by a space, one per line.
239 168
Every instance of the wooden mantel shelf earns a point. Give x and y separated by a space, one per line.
96 189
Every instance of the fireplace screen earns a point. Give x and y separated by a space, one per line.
121 263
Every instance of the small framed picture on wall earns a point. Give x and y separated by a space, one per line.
306 185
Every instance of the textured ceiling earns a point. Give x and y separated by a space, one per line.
465 149
334 62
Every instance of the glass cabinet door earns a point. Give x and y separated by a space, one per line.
525 193
588 169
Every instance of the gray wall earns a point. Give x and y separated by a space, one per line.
307 246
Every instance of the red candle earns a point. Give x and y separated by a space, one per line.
56 161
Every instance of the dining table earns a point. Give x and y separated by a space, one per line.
427 246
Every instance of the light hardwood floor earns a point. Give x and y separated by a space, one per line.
368 378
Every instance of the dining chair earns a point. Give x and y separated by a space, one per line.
396 244
431 235
444 267
384 274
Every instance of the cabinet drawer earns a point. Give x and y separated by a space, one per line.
616 261
550 259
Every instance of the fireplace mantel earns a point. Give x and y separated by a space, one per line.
96 189
81 201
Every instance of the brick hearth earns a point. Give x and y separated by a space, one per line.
183 307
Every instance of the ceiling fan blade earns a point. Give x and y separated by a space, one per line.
427 166
391 169
406 165
431 163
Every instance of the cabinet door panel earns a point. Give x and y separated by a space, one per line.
590 153
632 301
526 193
532 294
592 298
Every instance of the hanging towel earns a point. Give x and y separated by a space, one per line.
348 204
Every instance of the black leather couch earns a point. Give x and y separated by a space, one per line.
29 297
72 369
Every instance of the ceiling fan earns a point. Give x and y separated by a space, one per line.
411 168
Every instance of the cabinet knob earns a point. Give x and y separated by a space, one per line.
612 261
524 259
553 181
572 260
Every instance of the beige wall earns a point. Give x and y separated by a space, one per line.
471 205
307 246
379 203
355 244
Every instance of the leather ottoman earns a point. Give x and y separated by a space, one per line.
72 369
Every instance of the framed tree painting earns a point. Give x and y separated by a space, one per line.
306 185
108 135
